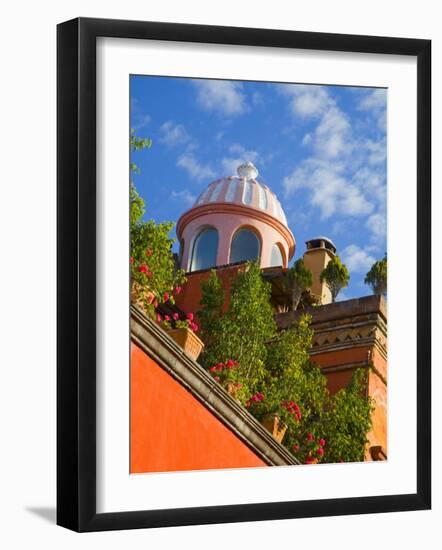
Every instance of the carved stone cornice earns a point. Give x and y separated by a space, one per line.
345 325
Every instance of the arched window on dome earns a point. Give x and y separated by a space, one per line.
245 246
205 249
276 258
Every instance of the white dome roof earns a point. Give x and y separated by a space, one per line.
245 190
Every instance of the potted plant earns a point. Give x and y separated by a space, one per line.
227 375
182 331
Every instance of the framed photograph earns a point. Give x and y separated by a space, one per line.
241 215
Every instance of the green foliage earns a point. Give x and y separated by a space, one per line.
242 332
376 278
153 273
347 420
271 373
210 317
297 279
336 276
138 144
308 299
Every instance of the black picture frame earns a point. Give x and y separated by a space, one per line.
76 273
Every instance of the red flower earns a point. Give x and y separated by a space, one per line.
178 290
248 403
194 327
175 316
149 252
159 318
322 442
213 369
216 378
143 268
230 364
310 437
166 318
166 297
190 316
131 260
311 460
320 451
296 447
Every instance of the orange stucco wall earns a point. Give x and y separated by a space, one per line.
171 430
190 297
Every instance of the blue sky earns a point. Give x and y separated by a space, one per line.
321 149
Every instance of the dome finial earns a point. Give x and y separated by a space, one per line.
247 170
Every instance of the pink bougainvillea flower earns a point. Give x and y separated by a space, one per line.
159 318
296 447
322 442
175 316
320 451
194 327
155 303
310 437
149 252
166 318
178 290
213 369
143 268
166 297
216 378
190 316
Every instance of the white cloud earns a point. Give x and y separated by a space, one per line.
374 100
345 174
238 155
332 135
139 119
377 224
330 191
307 100
184 196
357 259
196 170
377 150
173 134
307 139
223 96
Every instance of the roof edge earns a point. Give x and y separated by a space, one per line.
154 341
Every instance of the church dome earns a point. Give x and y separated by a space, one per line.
235 219
243 189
